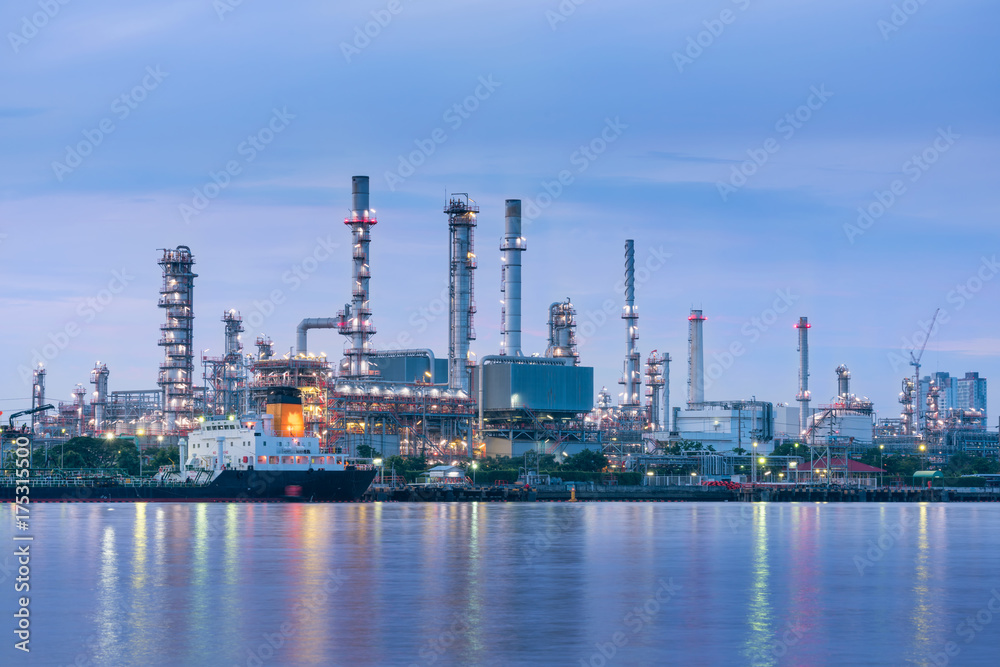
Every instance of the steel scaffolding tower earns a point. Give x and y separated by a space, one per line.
226 376
655 383
177 370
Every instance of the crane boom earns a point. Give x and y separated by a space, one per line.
915 362
28 412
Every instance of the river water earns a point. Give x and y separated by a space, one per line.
508 584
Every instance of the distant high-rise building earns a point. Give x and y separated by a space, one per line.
955 394
970 393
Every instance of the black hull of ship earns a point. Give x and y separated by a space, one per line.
229 486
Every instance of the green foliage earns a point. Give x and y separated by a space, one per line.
789 449
162 456
586 461
127 457
367 452
684 446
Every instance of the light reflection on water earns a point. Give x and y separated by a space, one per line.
441 584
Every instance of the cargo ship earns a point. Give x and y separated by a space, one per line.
257 457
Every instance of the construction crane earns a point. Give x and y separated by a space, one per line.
28 412
915 362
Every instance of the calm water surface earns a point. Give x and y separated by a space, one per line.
497 584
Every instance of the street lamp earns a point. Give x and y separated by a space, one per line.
881 450
378 462
474 466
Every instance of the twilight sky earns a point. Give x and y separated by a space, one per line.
734 140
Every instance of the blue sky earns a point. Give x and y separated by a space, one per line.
200 77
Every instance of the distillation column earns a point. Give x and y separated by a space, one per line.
78 393
99 378
462 306
803 396
354 321
37 395
512 246
654 387
843 383
177 370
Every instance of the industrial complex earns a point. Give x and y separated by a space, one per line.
455 405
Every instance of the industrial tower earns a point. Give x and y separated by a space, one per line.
655 383
803 396
461 223
562 332
696 359
37 395
99 378
177 370
631 377
226 376
354 321
512 246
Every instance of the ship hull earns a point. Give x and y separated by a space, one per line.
229 486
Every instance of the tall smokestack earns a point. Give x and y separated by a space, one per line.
631 379
803 396
696 360
355 320
510 280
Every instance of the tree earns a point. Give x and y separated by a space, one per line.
367 452
127 457
163 456
586 461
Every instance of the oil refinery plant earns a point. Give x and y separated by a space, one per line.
416 402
